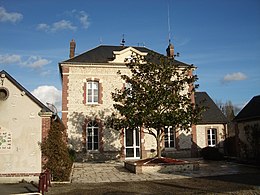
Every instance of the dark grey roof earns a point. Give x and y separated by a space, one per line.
104 53
212 114
20 87
251 111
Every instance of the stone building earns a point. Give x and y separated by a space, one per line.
87 82
212 128
247 130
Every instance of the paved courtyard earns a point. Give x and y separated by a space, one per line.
115 172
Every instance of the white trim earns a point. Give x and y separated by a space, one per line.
134 145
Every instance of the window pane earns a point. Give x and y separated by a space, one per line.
129 152
95 99
95 92
89 99
137 141
95 138
95 146
129 137
95 85
171 144
166 144
137 152
89 85
89 146
96 131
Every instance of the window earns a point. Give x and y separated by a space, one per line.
128 86
92 92
212 139
92 135
169 137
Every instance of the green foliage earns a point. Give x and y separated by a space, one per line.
56 151
156 97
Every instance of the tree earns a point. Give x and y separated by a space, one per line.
157 94
55 149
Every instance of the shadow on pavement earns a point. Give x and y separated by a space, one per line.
17 188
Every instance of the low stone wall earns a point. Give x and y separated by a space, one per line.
161 168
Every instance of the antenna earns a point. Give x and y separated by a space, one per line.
169 27
123 40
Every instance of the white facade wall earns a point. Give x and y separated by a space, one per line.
201 133
78 111
20 120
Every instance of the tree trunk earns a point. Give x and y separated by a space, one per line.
159 151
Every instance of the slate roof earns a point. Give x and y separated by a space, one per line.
21 88
104 53
213 114
251 111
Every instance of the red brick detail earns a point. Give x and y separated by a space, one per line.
100 135
65 88
46 125
100 93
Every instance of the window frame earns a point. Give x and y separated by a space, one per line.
92 126
92 95
168 139
209 135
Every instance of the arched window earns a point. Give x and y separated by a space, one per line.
92 135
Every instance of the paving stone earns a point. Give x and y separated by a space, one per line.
115 172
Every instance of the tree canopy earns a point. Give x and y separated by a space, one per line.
156 94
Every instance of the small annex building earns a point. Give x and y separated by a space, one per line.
247 130
24 123
211 130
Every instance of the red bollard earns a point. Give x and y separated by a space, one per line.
41 183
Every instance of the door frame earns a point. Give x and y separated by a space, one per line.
134 145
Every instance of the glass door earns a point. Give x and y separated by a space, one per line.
132 143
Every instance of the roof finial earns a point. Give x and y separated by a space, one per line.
123 40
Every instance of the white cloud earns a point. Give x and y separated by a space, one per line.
236 76
48 94
83 17
44 27
35 62
80 20
63 25
57 26
9 16
10 59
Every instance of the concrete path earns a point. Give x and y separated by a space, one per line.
115 172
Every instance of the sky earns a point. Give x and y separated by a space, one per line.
221 38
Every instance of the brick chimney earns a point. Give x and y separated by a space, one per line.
72 48
170 51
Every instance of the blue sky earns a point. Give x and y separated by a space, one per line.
221 38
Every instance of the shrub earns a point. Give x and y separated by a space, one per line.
55 149
211 153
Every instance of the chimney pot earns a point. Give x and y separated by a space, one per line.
170 51
72 48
